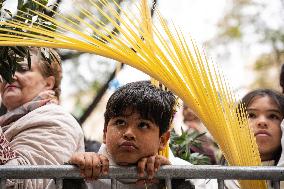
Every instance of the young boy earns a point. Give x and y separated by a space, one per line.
137 121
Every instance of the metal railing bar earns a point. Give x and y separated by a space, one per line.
2 183
168 183
222 172
39 171
169 171
276 184
113 183
59 183
221 184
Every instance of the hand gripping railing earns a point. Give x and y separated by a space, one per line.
221 173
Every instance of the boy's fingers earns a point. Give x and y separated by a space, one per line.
157 163
78 159
105 164
91 164
97 167
141 166
150 166
164 160
88 165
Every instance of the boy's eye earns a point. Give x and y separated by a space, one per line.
251 115
120 122
144 125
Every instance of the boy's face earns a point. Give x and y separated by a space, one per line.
129 138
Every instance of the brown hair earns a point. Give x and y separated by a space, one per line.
50 68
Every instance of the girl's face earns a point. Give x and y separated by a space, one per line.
265 119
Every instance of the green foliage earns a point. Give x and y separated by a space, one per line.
10 56
180 145
253 24
233 32
263 63
267 67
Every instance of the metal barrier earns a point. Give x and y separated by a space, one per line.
221 173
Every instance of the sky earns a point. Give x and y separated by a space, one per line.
199 18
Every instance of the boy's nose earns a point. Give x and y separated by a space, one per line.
129 135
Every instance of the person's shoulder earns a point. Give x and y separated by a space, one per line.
52 114
52 110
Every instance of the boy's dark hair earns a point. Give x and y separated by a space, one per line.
277 97
151 102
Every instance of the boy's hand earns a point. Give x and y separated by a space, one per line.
91 164
151 165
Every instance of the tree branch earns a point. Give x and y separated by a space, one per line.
97 98
153 9
54 8
70 55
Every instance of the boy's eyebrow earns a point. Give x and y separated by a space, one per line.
140 117
146 120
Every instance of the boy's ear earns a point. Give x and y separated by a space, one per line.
164 140
104 137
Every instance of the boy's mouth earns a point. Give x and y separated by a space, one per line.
128 146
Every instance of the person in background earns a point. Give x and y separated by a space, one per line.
208 146
265 108
35 130
92 145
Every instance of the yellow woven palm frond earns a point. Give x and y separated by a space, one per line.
163 53
147 28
